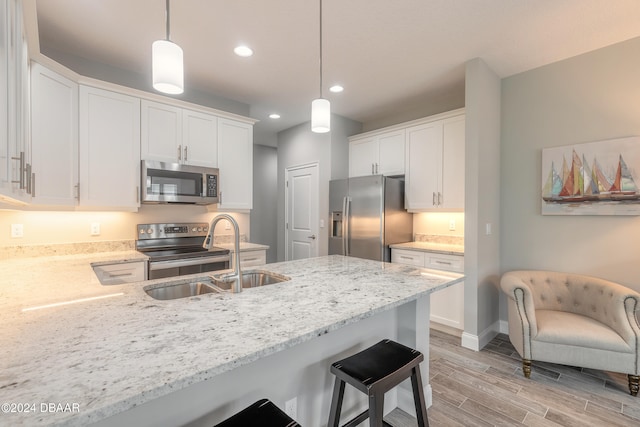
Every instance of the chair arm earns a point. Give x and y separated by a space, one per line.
521 307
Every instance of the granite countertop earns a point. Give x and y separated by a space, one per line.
440 248
110 354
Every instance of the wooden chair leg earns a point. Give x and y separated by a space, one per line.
418 398
336 403
376 409
526 368
634 384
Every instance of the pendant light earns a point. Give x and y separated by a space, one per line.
167 69
320 108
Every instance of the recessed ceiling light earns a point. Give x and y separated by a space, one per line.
336 88
243 51
274 116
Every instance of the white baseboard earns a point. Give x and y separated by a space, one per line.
476 342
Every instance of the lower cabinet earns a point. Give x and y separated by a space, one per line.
251 258
447 305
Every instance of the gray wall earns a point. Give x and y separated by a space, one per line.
591 97
482 204
264 214
299 146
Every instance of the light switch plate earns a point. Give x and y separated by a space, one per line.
17 230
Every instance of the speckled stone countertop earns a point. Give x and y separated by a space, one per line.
440 248
108 355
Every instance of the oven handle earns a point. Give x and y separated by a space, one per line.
161 265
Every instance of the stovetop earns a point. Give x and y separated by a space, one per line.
168 241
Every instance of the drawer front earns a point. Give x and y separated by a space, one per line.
403 256
116 274
250 258
445 262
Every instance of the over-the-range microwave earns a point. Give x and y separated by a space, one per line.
164 182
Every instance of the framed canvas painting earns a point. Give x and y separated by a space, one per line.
594 178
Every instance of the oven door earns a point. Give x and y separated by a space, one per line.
182 267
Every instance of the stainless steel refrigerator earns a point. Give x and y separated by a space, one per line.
367 215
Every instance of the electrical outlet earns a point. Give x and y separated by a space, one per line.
291 408
17 230
452 225
227 225
95 228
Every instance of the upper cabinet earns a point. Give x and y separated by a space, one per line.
54 138
377 153
177 135
15 166
435 165
235 161
109 150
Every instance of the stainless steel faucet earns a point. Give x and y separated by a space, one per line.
236 276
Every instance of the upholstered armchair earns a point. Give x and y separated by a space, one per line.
574 320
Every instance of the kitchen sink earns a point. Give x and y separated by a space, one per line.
180 290
252 279
211 284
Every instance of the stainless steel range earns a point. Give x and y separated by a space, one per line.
176 249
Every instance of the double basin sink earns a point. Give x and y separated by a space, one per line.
210 284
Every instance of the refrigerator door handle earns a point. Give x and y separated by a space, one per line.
346 208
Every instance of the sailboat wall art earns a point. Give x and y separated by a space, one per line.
595 178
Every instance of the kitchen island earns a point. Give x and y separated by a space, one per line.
124 358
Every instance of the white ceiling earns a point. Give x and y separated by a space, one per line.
390 55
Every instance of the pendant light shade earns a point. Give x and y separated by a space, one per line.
166 63
168 74
320 115
320 108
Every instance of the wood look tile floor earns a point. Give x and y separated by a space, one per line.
487 388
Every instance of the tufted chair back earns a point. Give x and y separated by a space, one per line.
588 296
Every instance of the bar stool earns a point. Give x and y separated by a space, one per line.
374 371
262 413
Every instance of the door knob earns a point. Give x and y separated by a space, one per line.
312 237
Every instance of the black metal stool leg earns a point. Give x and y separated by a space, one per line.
418 398
336 403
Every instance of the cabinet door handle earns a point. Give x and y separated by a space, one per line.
77 186
220 198
434 199
250 259
179 152
406 257
32 185
22 169
186 153
439 198
312 237
30 176
373 168
377 168
443 262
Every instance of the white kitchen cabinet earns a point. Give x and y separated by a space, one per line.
235 161
109 150
177 135
435 165
447 305
118 273
14 111
54 138
378 153
251 258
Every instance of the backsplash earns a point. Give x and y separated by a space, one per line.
433 238
27 251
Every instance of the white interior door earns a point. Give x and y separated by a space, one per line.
302 194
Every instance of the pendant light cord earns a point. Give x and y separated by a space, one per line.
320 48
168 20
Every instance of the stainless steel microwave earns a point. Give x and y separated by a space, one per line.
175 183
